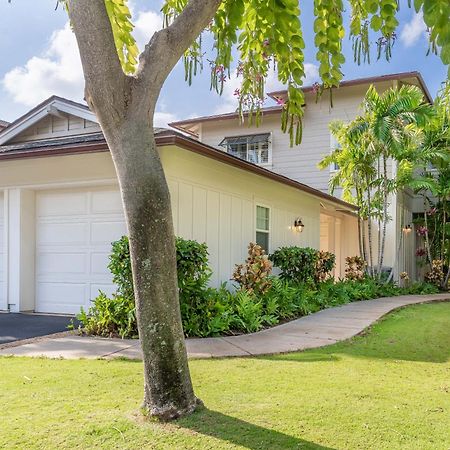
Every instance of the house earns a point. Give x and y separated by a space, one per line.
60 207
268 147
3 124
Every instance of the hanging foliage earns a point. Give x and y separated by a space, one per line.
267 35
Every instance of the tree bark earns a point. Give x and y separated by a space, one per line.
168 390
369 231
385 219
124 106
427 241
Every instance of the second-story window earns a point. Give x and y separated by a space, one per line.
255 148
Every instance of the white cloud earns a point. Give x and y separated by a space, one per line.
146 24
312 74
162 119
413 30
229 101
58 71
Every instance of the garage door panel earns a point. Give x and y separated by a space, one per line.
103 233
65 295
106 202
73 250
62 263
62 233
62 204
99 264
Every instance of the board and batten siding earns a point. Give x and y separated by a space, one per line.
57 126
215 203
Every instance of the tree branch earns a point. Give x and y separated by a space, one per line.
168 45
106 82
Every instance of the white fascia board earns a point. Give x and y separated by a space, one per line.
74 110
12 131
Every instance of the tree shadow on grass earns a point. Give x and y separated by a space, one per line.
244 434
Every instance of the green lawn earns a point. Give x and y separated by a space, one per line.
389 390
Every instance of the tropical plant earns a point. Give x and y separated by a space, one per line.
432 182
324 266
254 275
355 268
390 128
110 317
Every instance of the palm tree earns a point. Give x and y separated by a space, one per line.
390 128
395 119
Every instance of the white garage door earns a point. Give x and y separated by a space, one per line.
74 232
3 304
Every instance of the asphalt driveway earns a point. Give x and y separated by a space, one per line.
15 327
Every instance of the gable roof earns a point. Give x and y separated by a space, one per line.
95 142
190 125
51 106
3 124
401 76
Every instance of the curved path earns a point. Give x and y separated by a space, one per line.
317 330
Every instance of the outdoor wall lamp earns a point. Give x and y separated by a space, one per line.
407 229
298 225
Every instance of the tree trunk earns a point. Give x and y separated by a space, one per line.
369 232
385 219
427 241
399 247
168 390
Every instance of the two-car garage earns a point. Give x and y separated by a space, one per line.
74 231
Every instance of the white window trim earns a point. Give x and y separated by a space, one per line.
258 230
268 164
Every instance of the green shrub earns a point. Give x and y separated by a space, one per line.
248 312
206 311
208 315
281 300
120 267
297 265
110 317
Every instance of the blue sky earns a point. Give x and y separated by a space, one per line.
39 58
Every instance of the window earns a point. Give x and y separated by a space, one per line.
334 145
254 148
262 227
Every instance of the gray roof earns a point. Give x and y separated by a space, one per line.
61 141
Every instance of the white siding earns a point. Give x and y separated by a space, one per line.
299 162
56 126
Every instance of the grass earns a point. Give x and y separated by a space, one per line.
388 389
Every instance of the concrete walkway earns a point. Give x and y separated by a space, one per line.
317 330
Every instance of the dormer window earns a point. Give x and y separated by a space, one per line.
255 148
